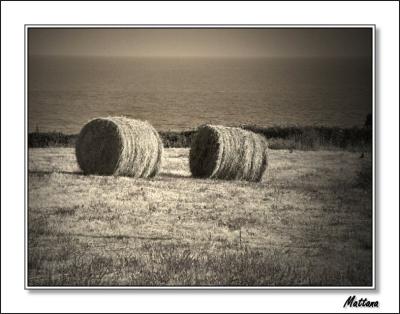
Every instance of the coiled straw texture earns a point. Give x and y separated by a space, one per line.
119 146
228 153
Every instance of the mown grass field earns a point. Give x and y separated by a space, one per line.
308 223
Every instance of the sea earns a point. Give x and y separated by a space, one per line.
176 94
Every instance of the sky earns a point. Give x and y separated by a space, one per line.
311 42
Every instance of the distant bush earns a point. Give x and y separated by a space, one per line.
51 139
291 137
316 137
177 139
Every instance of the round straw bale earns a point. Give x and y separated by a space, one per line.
228 153
119 146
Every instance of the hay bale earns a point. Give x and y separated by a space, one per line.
119 146
228 153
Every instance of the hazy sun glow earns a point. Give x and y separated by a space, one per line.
267 42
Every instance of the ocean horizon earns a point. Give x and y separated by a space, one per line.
176 94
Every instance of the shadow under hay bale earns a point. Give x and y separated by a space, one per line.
119 146
228 153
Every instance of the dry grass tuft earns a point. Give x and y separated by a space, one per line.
228 153
119 146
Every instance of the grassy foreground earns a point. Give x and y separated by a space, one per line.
308 223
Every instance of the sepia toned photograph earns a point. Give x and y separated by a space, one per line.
200 157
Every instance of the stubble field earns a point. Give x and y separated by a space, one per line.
309 222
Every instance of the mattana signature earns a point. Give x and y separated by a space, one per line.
363 302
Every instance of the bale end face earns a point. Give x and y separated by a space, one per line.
99 147
204 151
